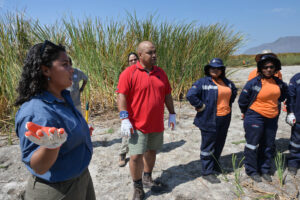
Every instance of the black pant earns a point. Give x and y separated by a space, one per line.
260 138
212 144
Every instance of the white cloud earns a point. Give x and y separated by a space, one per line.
284 11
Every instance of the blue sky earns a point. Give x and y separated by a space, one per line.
261 21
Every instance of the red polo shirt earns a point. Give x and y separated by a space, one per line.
145 95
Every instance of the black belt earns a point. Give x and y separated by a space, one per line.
40 180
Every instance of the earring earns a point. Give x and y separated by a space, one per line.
49 78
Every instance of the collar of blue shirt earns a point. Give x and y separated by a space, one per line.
50 98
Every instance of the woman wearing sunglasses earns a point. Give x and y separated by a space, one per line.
54 137
212 97
260 106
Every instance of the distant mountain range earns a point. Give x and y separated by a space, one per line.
289 44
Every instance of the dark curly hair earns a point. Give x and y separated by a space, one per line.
32 80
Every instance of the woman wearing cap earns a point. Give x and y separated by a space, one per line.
293 119
212 97
57 159
260 105
254 72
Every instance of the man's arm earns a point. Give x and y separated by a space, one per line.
121 101
169 103
172 115
126 126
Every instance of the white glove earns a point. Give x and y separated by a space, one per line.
48 137
290 119
172 121
126 128
200 109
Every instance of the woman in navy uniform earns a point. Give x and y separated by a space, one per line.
293 119
212 96
260 105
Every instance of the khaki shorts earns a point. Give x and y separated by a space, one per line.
80 188
139 142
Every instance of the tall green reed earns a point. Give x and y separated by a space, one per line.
100 49
15 39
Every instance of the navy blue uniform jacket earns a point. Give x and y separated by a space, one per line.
293 101
252 88
205 91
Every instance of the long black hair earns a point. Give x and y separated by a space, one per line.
32 80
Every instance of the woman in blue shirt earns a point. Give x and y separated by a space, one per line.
57 173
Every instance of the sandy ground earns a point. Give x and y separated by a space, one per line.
177 165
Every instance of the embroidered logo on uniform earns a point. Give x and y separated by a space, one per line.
194 86
255 126
256 88
298 81
244 90
208 87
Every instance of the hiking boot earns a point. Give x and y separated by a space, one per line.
267 177
122 160
256 178
217 168
155 186
138 194
220 170
293 170
211 178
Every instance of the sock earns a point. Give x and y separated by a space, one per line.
138 183
148 174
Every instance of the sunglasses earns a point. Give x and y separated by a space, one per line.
266 67
45 44
216 68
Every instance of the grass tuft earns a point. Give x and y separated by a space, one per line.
280 166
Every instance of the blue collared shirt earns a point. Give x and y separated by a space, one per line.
46 110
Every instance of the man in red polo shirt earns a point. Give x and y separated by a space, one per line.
143 90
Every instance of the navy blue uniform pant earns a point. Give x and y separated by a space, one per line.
212 144
260 138
294 158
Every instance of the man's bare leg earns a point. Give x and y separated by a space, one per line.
149 160
136 166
